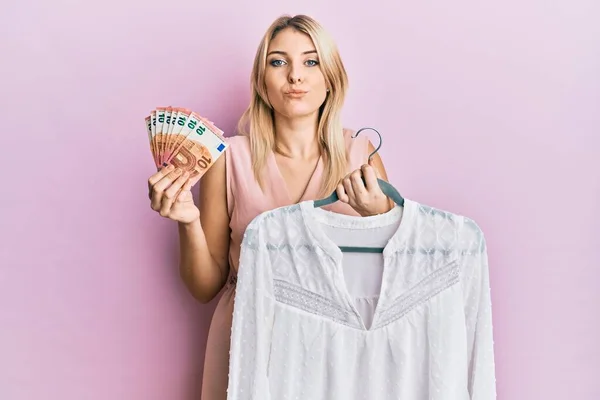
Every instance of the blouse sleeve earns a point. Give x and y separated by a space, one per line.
252 322
478 313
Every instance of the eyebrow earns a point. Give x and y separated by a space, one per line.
284 53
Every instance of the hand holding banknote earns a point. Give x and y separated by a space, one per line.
184 146
170 194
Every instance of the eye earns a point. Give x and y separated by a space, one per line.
312 63
276 63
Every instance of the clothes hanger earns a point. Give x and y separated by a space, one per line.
386 188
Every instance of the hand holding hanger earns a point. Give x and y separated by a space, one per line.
360 189
387 189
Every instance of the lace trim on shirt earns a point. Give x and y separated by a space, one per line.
429 287
312 303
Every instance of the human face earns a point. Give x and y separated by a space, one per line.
295 84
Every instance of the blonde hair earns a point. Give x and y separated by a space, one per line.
257 120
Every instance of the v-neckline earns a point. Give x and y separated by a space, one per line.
313 217
310 186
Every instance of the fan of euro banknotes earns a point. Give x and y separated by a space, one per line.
185 139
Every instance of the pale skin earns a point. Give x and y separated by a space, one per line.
292 64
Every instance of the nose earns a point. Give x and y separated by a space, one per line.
294 75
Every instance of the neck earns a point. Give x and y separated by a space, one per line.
297 137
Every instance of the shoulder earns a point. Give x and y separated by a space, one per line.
357 147
278 219
238 150
438 220
452 231
359 141
238 141
350 137
472 238
274 222
359 136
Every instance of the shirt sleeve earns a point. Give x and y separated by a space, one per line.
252 321
478 313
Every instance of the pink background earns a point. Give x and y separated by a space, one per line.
489 110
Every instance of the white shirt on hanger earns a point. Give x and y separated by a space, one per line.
311 322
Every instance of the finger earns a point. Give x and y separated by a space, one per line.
192 181
168 179
159 188
349 190
358 186
161 173
185 194
370 175
177 186
372 164
341 193
172 193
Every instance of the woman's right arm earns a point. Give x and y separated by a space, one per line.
204 243
204 232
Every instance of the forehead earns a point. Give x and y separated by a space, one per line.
291 41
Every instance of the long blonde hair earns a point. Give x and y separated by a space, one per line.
257 120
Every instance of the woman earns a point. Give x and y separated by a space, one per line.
292 148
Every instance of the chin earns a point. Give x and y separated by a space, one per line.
298 111
301 113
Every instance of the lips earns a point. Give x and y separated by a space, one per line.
295 94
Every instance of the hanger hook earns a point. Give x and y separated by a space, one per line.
380 140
